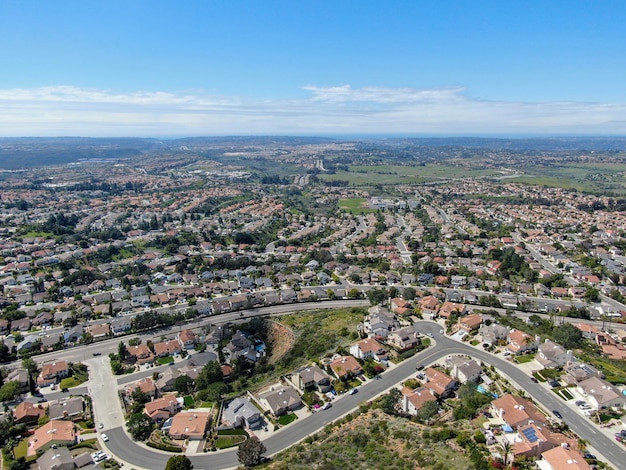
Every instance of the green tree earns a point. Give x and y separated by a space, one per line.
428 411
567 335
139 426
122 352
250 452
183 384
179 462
211 372
391 401
10 391
33 370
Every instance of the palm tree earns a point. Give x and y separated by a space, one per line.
582 445
506 449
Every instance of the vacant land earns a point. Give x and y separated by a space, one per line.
368 175
373 440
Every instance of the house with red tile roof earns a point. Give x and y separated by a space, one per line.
441 384
27 413
470 322
163 408
516 411
189 425
345 365
140 353
448 308
519 342
167 348
413 400
187 339
561 458
59 433
53 372
368 348
429 306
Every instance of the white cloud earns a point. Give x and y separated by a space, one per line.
67 110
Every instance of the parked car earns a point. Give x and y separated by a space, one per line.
557 413
97 353
534 379
327 405
420 367
105 438
353 391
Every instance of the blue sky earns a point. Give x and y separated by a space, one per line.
231 67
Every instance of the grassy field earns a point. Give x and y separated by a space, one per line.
355 205
368 175
607 177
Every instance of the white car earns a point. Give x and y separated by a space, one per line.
100 426
105 438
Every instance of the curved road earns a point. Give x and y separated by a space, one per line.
121 446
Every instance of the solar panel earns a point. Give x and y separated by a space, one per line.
530 434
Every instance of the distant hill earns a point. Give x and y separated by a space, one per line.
19 153
30 152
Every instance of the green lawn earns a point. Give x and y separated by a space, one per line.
286 419
355 205
524 359
226 441
21 449
189 401
165 360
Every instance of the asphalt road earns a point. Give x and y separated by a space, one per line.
610 451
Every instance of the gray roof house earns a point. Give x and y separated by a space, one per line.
240 412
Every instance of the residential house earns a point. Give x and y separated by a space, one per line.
140 354
561 458
579 372
68 409
368 349
281 400
429 306
120 325
190 425
520 342
463 369
73 335
53 433
162 408
551 355
414 400
449 308
441 384
187 339
470 323
516 411
167 348
588 331
21 376
28 413
404 338
379 322
344 366
601 394
53 372
491 334
146 385
241 413
312 378
534 439
399 305
59 458
99 331
165 382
